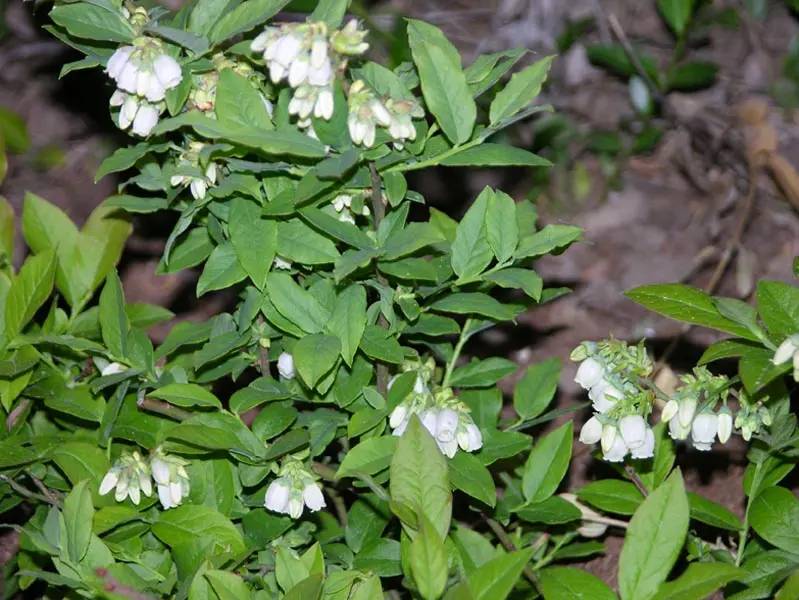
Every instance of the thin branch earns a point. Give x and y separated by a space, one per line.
164 408
503 537
55 498
23 491
628 49
379 212
636 480
263 360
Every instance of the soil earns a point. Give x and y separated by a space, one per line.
663 217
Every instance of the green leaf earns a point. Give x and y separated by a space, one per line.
494 155
501 227
21 360
677 13
307 589
7 227
482 373
370 456
245 16
566 583
419 477
520 91
526 280
81 460
123 159
331 12
222 270
212 484
299 243
552 511
207 12
471 251
691 76
198 44
428 561
614 58
687 304
348 320
314 355
650 550
227 586
239 104
548 463
550 238
732 348
774 515
93 22
757 369
378 343
381 556
114 323
187 525
30 289
779 306
473 303
537 388
254 239
410 239
698 582
495 579
469 475
339 165
78 516
186 394
612 495
443 83
713 514
263 389
296 304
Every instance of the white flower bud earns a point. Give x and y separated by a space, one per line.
299 69
470 439
277 496
129 76
617 450
446 425
609 435
109 482
319 52
280 263
429 420
786 350
633 430
286 50
198 188
118 61
295 507
324 105
724 425
592 530
167 71
320 76
639 96
165 496
647 449
258 45
418 386
285 366
670 410
604 396
276 71
398 415
160 470
687 411
112 369
146 485
146 119
380 113
313 498
591 432
449 448
703 431
176 492
155 91
369 134
400 429
210 173
676 429
117 98
589 373
128 112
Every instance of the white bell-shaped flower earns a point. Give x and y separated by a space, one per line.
703 431
647 449
277 496
786 350
429 419
449 448
398 415
129 75
633 430
112 369
299 70
591 432
687 411
470 439
287 50
110 481
146 119
616 451
285 366
312 497
167 71
670 410
677 431
118 61
380 112
323 109
319 52
589 373
320 76
160 470
604 396
130 106
724 425
295 507
446 425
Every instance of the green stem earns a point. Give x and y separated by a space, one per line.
431 162
456 353
25 492
745 530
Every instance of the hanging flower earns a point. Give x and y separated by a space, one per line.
703 431
144 69
171 479
285 366
294 490
130 477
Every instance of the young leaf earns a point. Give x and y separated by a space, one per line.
501 227
206 13
92 21
650 550
526 280
443 83
428 561
468 474
699 581
314 355
186 525
78 516
222 270
254 239
551 237
552 511
548 463
239 104
494 155
612 495
482 373
299 243
496 578
370 456
244 17
566 583
296 304
713 514
520 91
227 586
31 288
677 13
187 395
537 388
471 251
348 320
419 476
779 306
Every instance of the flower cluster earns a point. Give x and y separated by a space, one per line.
687 419
445 418
751 418
143 73
131 476
191 172
293 490
343 205
788 350
609 371
367 111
